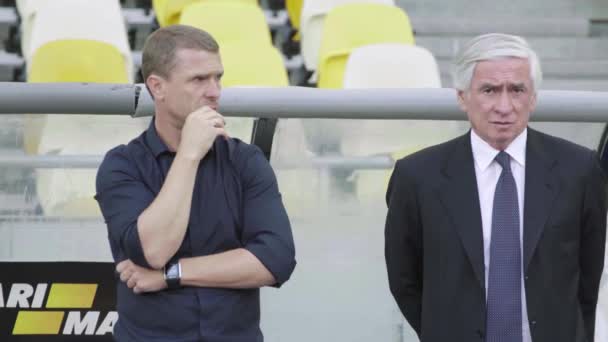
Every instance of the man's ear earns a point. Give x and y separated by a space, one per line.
462 102
156 85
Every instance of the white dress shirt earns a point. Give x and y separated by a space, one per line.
487 172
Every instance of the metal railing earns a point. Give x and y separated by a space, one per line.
289 102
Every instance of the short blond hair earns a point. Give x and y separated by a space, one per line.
158 55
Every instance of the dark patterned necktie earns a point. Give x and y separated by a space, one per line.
504 321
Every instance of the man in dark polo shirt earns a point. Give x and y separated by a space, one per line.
195 219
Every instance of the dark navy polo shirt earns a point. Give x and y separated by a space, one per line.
235 204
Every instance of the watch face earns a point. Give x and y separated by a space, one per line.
173 272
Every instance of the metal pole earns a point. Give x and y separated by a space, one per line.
290 102
93 161
67 98
431 104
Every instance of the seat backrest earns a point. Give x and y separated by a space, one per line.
57 62
168 12
229 22
391 65
99 20
69 192
77 61
350 26
311 22
252 65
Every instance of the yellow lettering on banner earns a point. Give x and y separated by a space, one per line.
38 323
73 296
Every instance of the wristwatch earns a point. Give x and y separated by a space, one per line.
173 275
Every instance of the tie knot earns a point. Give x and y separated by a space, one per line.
504 160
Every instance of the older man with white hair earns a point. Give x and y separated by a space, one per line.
497 235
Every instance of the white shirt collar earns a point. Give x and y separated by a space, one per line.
484 154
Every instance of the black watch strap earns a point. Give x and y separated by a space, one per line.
173 275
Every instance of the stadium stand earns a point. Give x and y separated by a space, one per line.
104 56
343 32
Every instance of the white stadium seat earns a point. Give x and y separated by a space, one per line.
101 20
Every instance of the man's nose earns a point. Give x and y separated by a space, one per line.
214 89
504 104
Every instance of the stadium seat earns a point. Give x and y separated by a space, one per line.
95 61
101 20
69 192
391 65
168 12
264 68
311 22
294 11
229 22
350 26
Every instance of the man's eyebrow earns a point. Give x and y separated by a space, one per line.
517 85
205 75
487 85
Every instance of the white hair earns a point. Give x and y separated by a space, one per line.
493 46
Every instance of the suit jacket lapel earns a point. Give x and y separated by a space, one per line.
459 195
541 188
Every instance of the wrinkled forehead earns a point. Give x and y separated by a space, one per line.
503 71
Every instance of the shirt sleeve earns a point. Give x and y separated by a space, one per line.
122 197
266 228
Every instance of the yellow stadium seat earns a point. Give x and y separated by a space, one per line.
311 26
350 26
57 62
263 66
77 61
294 11
69 192
168 12
85 20
229 21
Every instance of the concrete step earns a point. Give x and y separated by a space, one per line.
524 26
468 8
547 48
588 69
575 84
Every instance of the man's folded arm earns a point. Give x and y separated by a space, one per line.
267 256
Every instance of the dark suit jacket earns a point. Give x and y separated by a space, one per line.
434 241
